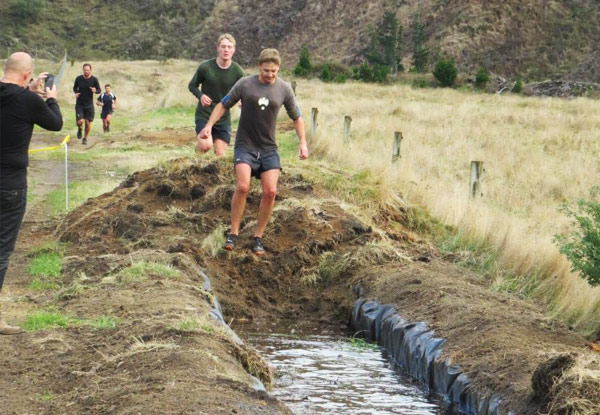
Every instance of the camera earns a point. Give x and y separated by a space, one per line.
49 81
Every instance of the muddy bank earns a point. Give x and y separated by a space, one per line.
136 255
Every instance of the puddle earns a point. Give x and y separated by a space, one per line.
330 374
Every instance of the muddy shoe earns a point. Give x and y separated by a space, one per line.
84 141
230 242
257 246
7 329
79 133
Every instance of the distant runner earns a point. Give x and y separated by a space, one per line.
217 77
85 87
255 152
108 101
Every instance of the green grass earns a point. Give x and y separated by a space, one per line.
105 322
140 271
45 266
360 343
42 320
194 325
46 396
79 192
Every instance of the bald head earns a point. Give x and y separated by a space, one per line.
18 68
19 63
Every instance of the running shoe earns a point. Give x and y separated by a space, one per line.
79 133
84 141
230 242
257 246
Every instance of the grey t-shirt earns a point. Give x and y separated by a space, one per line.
260 106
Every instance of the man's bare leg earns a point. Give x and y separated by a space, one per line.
220 147
238 201
268 180
88 127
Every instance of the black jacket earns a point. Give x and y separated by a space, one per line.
20 109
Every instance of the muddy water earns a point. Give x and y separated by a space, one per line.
329 374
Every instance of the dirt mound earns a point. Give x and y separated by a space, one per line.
576 391
183 207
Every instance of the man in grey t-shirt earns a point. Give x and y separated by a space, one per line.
255 152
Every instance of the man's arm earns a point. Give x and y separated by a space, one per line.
99 101
300 132
196 80
96 86
47 114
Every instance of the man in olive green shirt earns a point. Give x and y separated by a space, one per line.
216 76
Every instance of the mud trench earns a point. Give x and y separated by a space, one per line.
149 297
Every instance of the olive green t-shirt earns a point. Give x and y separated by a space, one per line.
216 83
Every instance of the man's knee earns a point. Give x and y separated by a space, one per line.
270 193
242 188
219 151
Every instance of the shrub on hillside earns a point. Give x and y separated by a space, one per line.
582 247
481 78
517 87
332 71
304 66
445 72
368 73
27 10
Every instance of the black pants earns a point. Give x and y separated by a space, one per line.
12 210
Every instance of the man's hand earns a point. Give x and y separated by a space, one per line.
51 93
93 89
204 140
303 151
77 94
205 100
37 85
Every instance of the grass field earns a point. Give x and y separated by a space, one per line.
538 153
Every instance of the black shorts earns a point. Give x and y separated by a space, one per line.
219 132
84 112
104 114
258 161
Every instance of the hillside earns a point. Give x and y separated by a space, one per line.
538 39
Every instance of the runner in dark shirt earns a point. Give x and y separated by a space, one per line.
85 87
20 109
216 76
108 101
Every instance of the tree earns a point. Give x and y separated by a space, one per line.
385 43
304 67
582 247
420 53
445 72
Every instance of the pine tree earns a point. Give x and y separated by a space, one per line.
420 53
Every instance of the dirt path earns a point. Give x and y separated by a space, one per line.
166 354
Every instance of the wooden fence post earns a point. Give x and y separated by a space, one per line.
397 142
313 122
347 122
475 180
294 87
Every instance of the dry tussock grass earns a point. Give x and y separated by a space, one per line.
577 391
537 154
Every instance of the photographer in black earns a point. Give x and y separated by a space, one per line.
20 108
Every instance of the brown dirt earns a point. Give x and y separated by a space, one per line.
149 364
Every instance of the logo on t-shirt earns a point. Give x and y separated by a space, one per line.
263 103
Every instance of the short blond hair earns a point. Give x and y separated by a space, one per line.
269 55
226 36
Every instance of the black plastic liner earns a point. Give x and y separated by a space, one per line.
414 347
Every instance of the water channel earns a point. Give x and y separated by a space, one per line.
327 373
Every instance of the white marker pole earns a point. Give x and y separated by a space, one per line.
66 177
